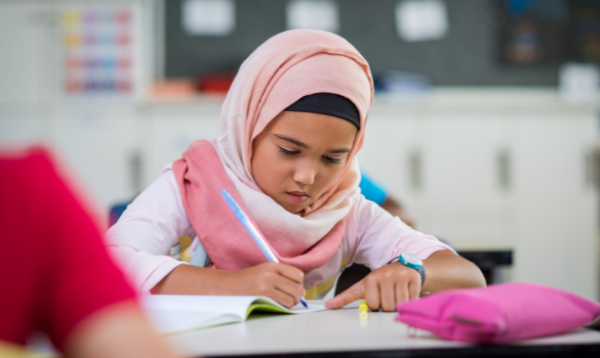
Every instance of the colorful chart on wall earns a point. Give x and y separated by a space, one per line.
99 46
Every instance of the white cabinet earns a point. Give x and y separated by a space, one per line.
390 140
169 129
21 124
555 204
443 164
99 145
462 195
497 169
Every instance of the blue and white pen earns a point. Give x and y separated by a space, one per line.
258 239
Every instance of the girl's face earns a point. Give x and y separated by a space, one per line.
298 155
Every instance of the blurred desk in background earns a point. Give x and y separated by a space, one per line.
489 260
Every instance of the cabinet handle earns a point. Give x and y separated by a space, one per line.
503 161
135 167
415 166
592 167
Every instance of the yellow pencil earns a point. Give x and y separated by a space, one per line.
363 309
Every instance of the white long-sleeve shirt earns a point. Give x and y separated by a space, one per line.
156 219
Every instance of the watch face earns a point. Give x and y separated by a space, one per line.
411 260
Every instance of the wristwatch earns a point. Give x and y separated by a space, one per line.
411 261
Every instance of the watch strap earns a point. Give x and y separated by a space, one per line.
420 270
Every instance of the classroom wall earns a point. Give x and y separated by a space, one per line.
466 56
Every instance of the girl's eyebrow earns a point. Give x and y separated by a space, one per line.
291 140
302 145
341 150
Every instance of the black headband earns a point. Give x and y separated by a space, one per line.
330 104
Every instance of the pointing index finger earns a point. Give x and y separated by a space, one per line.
356 292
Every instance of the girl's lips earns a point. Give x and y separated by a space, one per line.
297 199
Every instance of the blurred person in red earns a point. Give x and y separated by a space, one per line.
55 274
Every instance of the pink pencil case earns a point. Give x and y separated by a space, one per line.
499 313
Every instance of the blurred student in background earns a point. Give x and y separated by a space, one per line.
55 273
374 191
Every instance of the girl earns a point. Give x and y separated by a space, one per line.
290 128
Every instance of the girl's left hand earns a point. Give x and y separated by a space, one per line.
382 288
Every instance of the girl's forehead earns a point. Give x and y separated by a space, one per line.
300 120
312 127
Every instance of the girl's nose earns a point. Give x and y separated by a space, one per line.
305 173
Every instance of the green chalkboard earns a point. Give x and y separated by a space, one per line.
467 55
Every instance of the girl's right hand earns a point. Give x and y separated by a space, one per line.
280 282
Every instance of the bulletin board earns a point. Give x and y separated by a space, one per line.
466 56
98 51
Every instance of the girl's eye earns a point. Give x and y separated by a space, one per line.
288 152
332 160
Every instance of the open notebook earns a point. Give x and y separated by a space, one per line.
180 313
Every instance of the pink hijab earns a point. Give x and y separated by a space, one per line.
282 70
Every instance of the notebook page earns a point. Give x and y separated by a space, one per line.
232 305
175 321
235 305
312 307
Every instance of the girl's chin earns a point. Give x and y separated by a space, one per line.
293 208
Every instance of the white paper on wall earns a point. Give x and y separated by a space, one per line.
579 82
312 14
421 20
208 17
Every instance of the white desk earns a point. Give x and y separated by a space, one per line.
338 331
